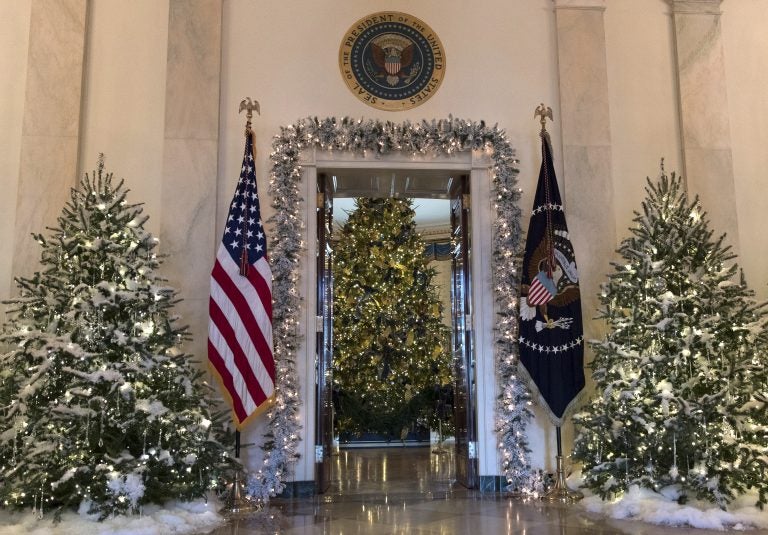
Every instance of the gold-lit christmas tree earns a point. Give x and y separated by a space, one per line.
391 348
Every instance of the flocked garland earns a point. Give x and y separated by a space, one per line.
436 137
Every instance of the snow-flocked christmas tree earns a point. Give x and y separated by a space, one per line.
681 374
390 346
99 405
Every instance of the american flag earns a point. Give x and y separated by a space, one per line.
240 309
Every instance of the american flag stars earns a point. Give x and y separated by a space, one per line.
244 224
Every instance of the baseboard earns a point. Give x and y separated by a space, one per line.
298 489
493 483
383 444
304 489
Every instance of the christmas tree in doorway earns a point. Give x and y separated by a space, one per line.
99 405
391 353
681 375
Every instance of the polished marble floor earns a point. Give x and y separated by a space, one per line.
397 491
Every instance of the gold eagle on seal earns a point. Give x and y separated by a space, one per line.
392 53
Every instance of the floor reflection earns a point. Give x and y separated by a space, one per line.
392 471
392 491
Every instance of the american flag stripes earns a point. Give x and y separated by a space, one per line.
240 308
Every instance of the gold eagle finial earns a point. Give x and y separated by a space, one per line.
249 106
544 112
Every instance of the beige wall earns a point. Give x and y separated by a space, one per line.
501 62
643 100
499 67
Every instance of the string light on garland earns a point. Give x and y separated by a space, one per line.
442 137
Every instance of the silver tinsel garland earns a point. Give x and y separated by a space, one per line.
435 137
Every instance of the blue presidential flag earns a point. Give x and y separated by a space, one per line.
551 332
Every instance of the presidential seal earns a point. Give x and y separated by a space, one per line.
392 61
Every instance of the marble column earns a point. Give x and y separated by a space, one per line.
190 159
586 138
51 123
706 131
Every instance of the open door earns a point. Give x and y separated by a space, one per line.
463 355
324 337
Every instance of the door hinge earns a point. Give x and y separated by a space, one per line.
466 201
472 449
319 453
318 324
320 199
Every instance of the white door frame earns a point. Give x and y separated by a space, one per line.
478 164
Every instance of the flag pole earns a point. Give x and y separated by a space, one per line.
249 106
560 491
237 503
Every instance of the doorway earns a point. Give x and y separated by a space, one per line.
454 187
303 148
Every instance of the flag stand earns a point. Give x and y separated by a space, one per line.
440 450
560 492
237 502
547 249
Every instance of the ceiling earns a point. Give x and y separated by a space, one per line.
429 212
427 187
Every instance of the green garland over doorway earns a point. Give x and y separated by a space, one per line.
438 138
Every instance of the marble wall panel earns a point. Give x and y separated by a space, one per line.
48 166
190 158
188 184
194 67
701 70
587 184
188 224
589 214
55 68
51 122
583 76
586 141
710 176
704 112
